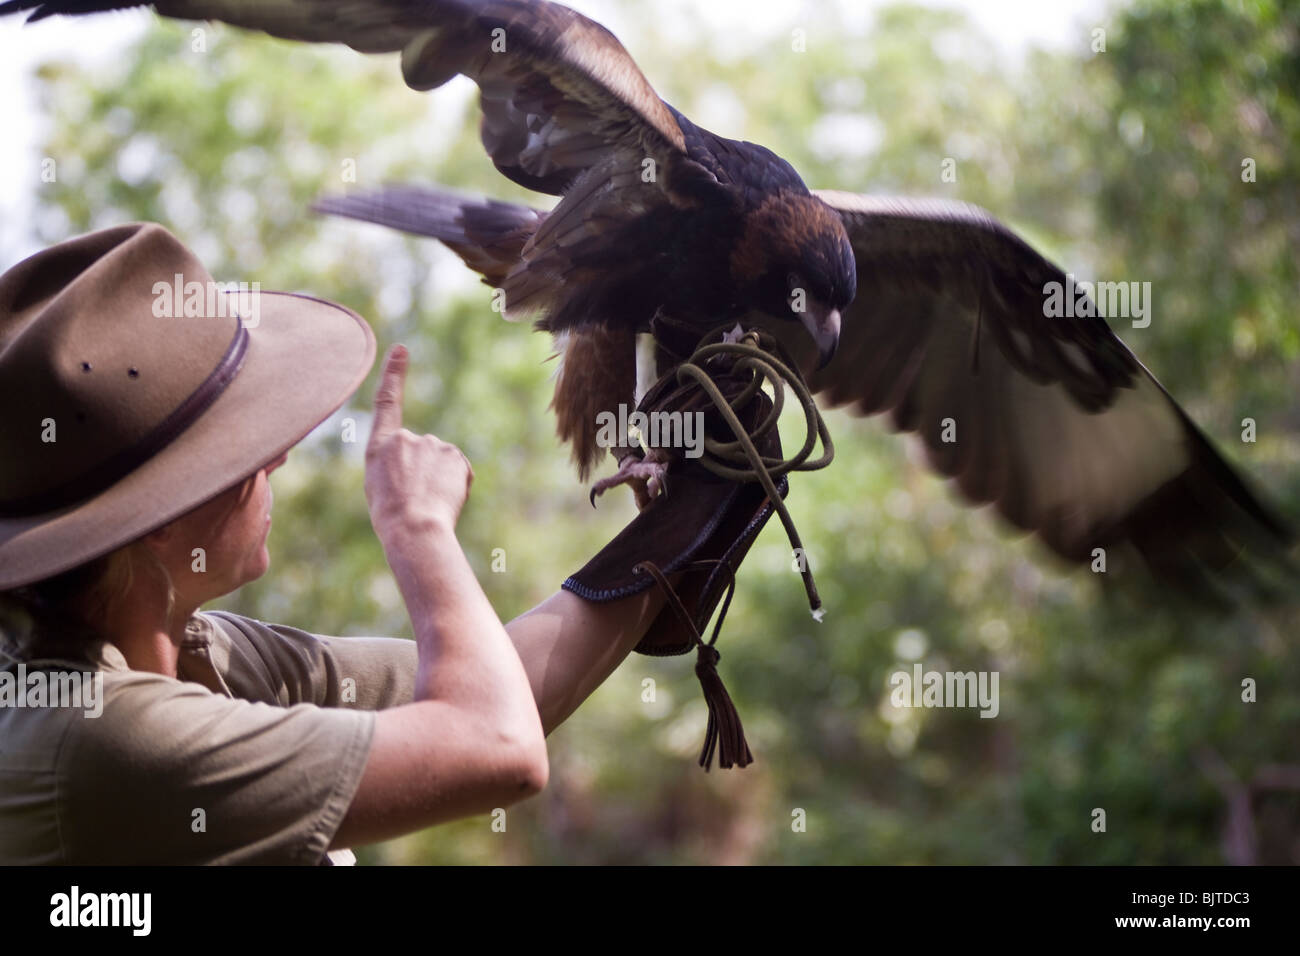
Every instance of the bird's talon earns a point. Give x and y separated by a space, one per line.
648 479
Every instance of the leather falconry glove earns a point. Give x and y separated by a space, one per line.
709 515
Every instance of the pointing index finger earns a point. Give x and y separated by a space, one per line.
390 393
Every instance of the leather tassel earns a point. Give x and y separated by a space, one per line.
724 732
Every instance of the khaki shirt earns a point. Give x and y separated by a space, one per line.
252 756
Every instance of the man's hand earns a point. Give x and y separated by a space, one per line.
471 739
413 482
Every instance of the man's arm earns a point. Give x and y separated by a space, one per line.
471 740
569 646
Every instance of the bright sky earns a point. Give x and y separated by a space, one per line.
1014 24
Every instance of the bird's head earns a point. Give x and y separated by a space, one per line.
794 261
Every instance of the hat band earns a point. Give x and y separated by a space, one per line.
128 459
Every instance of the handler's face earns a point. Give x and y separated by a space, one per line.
232 530
246 529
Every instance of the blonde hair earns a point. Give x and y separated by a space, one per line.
62 615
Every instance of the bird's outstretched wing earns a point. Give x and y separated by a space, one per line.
559 93
1051 419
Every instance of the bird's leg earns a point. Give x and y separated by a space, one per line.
649 475
647 365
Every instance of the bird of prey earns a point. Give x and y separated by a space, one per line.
932 311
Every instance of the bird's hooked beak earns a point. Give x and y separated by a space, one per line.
823 324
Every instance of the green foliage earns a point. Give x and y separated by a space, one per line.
1122 164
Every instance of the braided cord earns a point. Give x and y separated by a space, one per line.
739 460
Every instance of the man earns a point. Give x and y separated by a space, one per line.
133 442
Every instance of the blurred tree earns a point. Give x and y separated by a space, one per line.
1125 163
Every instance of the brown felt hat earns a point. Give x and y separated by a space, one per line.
133 389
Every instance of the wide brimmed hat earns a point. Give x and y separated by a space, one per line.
133 389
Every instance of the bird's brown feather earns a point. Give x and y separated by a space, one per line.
597 374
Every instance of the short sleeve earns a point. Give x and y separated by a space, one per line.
276 663
171 773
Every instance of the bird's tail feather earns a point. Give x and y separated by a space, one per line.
488 234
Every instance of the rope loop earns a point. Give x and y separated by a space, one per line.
767 361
